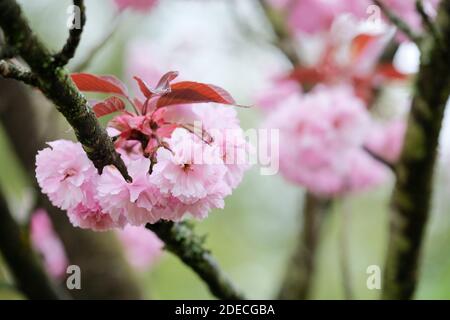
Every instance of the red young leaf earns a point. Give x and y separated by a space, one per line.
360 43
163 85
145 89
93 83
194 92
108 106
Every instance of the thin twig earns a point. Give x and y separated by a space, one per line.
284 40
69 49
12 71
92 53
56 85
380 159
181 241
398 22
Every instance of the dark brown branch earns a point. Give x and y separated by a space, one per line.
69 49
300 270
57 86
15 247
11 71
412 194
398 22
181 241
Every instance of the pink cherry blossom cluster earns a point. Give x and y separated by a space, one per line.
323 135
314 16
183 159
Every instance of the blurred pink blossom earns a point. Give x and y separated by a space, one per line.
386 140
142 247
47 243
321 138
138 5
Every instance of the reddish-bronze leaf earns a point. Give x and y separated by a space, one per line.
108 106
145 89
163 85
104 84
186 92
360 43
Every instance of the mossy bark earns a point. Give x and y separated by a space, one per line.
181 241
413 189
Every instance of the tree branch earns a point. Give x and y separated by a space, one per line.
57 86
69 49
11 71
181 241
23 264
398 22
411 198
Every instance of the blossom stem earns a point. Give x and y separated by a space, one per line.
28 273
410 203
181 241
56 85
300 271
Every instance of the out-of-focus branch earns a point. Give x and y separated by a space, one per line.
398 22
57 86
300 271
15 247
186 245
283 39
69 49
413 189
375 156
